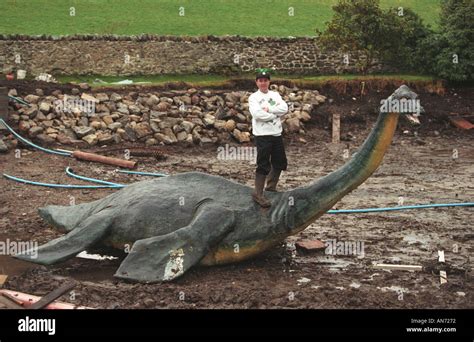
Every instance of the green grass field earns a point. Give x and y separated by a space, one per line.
201 17
219 80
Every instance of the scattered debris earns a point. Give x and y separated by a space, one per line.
137 152
303 280
399 267
441 256
20 74
397 289
3 279
443 276
52 296
9 302
461 123
413 119
26 300
46 77
310 245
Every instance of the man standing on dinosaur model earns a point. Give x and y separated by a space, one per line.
266 107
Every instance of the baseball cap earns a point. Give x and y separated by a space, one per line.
263 74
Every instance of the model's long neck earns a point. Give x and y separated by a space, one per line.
311 201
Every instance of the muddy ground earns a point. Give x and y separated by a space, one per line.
418 167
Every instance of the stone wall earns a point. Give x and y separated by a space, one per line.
153 55
87 118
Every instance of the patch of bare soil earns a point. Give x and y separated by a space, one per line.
419 167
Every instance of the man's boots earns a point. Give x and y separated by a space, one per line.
257 195
272 179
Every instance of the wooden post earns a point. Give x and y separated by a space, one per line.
336 128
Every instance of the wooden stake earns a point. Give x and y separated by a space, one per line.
441 256
443 277
336 128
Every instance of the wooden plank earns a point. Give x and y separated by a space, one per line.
26 300
10 304
52 296
399 267
12 298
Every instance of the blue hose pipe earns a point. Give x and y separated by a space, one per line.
27 142
67 186
70 172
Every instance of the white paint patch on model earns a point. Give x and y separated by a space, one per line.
174 268
85 255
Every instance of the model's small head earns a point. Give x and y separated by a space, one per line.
263 81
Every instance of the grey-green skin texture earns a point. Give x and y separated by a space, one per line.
178 221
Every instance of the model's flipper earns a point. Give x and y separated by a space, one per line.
167 257
66 218
86 234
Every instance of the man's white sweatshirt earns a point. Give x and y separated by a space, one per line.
263 122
